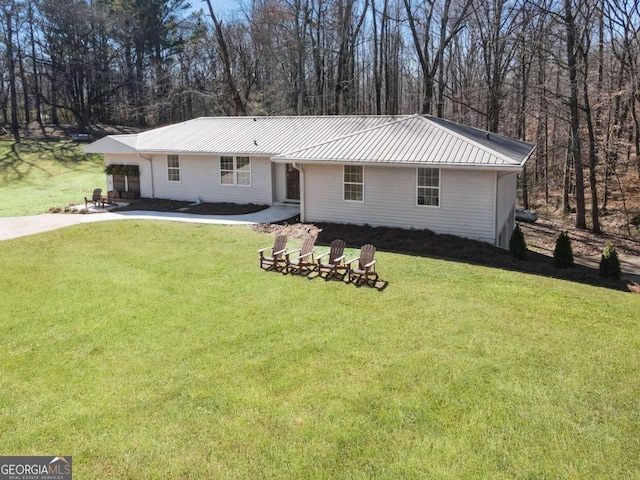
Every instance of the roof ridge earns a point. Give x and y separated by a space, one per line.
403 116
492 151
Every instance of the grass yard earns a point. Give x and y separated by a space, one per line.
38 175
160 350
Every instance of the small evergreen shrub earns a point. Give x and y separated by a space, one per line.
517 244
610 263
563 254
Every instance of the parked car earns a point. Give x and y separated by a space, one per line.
82 137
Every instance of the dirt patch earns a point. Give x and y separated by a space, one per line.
541 236
159 205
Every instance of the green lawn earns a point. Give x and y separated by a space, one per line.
161 350
38 175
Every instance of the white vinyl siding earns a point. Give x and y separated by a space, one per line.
200 178
235 171
353 190
505 207
428 189
173 168
467 200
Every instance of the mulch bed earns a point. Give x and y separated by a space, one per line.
447 247
413 242
159 205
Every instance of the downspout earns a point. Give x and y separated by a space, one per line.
150 160
298 167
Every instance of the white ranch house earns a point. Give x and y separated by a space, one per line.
414 171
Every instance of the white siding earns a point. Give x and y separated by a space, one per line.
505 207
200 177
280 182
506 197
467 200
146 188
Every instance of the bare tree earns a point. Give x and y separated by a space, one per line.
239 106
574 139
9 14
434 16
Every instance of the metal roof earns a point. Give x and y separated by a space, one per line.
113 144
419 139
403 139
252 135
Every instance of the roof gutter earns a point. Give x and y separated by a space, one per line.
526 159
510 168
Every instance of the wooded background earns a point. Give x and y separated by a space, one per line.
562 74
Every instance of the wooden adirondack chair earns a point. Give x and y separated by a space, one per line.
96 198
366 267
305 260
276 261
335 262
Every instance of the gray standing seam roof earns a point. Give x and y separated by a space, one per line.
407 139
419 139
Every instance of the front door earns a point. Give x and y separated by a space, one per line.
293 183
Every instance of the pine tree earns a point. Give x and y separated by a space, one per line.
610 263
563 254
517 244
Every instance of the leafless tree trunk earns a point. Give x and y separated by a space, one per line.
9 12
574 142
34 65
239 106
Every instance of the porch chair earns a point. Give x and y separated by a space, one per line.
335 262
305 260
112 196
276 261
366 266
96 198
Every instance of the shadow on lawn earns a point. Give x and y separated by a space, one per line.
448 247
15 166
11 163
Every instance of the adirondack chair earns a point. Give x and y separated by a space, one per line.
366 265
276 261
112 196
96 198
335 262
305 260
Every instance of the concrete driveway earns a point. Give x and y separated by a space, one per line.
14 227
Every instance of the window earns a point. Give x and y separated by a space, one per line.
243 171
429 187
354 183
226 170
173 168
235 171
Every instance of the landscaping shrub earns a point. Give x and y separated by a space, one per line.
517 244
610 263
563 254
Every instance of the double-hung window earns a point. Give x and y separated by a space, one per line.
354 183
173 168
428 189
235 171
